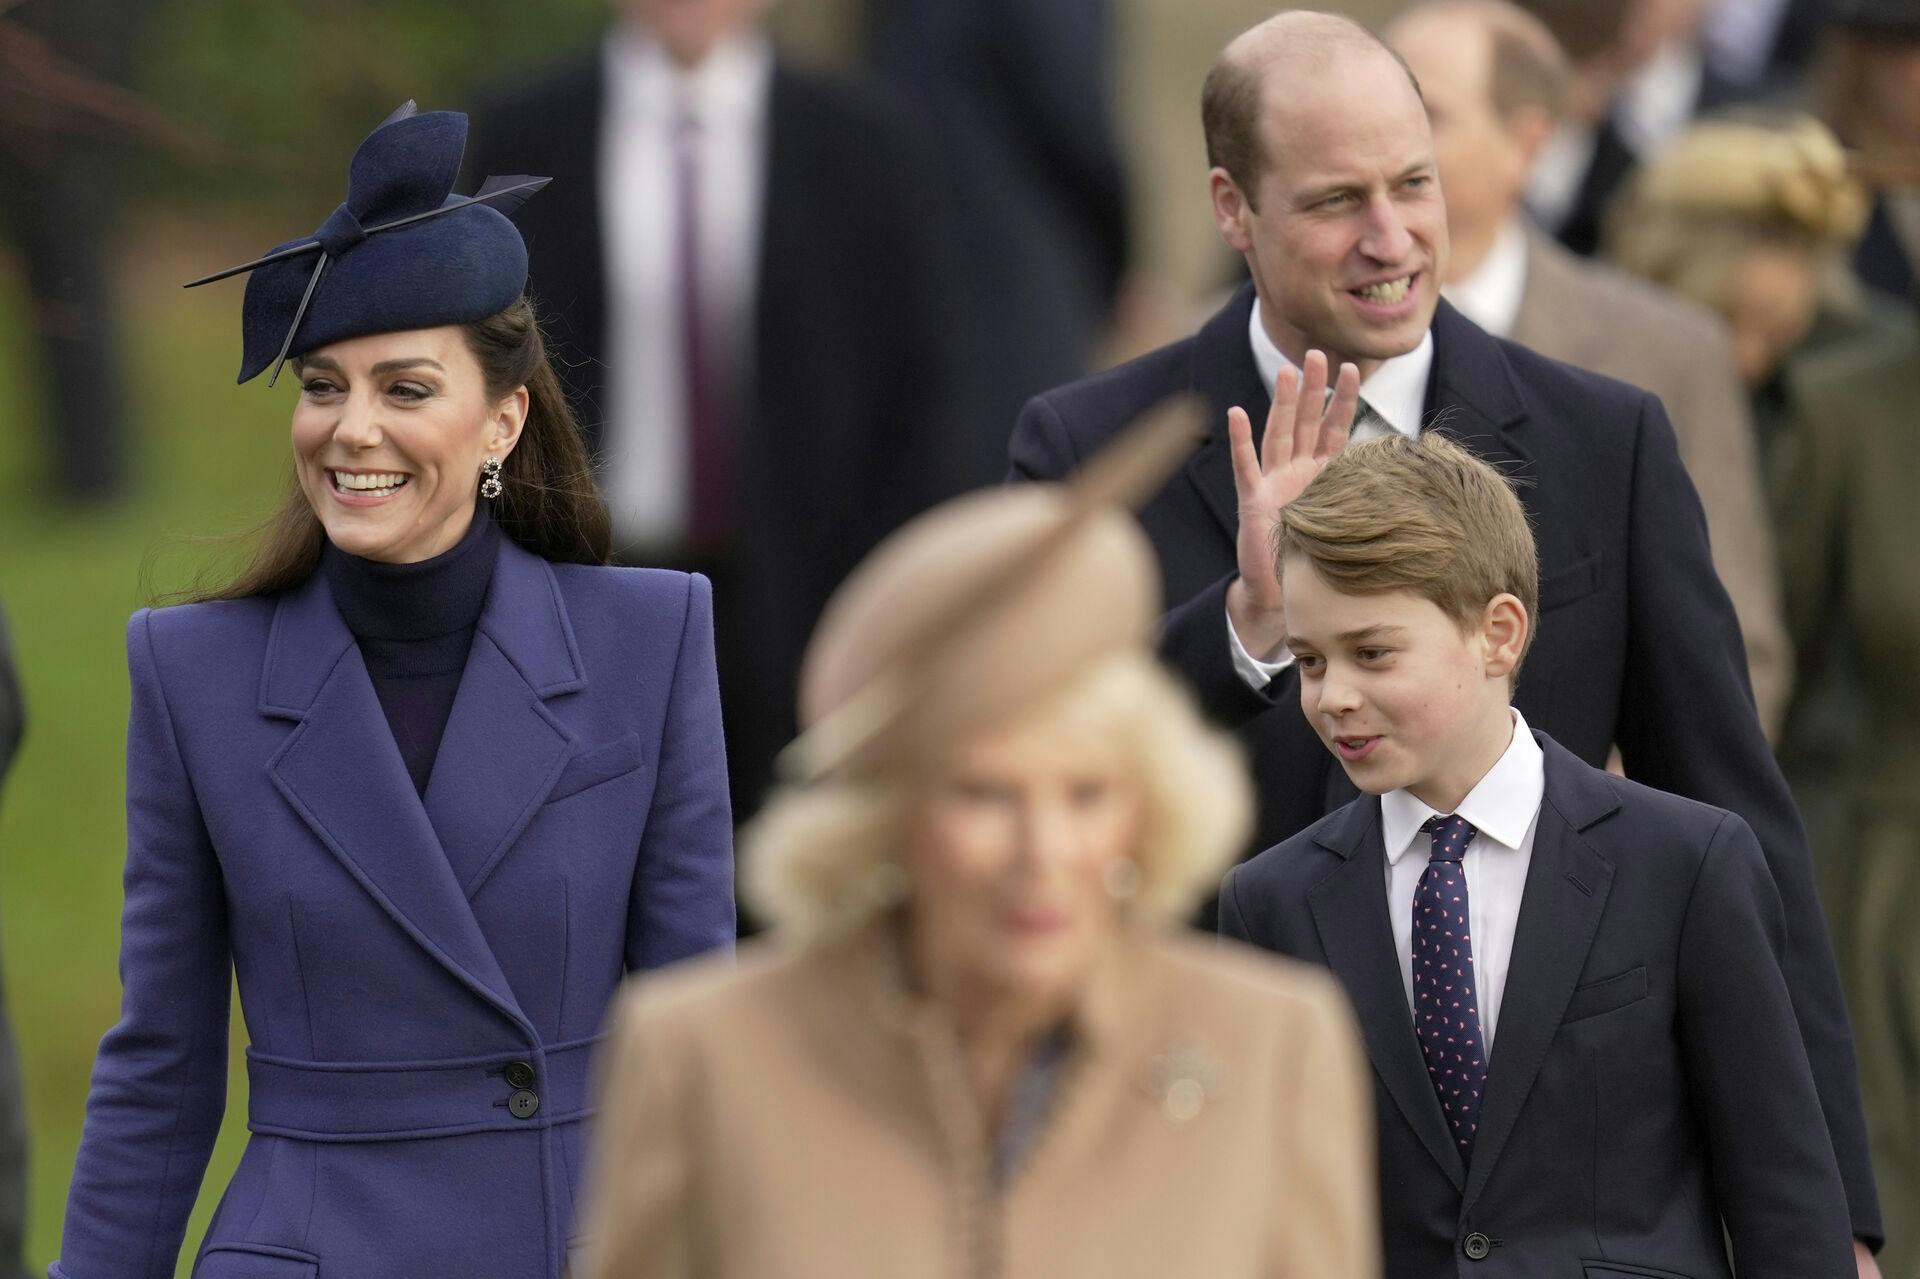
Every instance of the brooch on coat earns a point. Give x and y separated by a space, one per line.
1183 1080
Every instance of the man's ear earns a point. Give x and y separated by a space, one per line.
507 420
1529 127
1231 209
1504 628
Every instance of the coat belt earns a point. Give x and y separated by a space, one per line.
396 1101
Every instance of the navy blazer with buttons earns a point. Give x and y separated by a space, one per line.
1636 643
423 977
1648 1082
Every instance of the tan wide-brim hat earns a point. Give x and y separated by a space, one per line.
982 608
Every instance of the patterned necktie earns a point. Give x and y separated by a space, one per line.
1367 424
710 457
1446 1007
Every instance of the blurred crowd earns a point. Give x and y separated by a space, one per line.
795 306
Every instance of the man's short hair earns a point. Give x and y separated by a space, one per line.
1425 516
1585 29
1231 97
1528 70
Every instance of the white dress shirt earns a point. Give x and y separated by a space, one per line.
1492 295
1504 808
1396 392
646 451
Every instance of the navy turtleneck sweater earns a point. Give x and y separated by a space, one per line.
414 623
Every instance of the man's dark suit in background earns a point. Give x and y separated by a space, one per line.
855 409
1016 95
1637 641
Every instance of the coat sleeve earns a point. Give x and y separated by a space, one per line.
638 1221
1193 634
160 1080
1687 724
1774 1173
1331 1226
682 900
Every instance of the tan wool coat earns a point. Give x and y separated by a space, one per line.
1599 318
801 1117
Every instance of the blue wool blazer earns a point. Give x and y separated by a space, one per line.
423 979
1648 1089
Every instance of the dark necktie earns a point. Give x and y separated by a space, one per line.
1446 1004
1367 424
709 439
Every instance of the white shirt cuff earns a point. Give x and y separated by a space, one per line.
1253 672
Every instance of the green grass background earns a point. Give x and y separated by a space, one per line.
208 459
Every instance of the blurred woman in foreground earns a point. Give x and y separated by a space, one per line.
978 1043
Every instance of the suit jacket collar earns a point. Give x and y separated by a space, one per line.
1472 395
500 755
1349 907
1567 885
1224 374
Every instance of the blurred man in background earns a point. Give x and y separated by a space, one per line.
1495 83
62 153
13 1122
1640 75
745 268
1866 86
1016 95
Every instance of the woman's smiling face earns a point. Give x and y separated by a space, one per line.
389 436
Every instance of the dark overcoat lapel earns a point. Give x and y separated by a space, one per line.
1471 397
501 753
1350 913
1225 376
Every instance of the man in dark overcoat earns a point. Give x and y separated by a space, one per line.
1344 231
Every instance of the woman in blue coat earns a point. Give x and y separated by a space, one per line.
428 778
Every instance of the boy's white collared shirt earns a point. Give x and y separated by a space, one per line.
1504 807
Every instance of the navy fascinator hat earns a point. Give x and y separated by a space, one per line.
403 252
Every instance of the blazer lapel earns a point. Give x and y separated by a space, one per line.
503 749
1471 397
1560 909
342 774
1225 376
1350 911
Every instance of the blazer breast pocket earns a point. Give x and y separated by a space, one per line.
256 1261
1565 585
598 764
1607 995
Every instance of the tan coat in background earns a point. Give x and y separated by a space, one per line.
800 1117
1599 318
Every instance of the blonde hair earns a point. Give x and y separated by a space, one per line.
823 858
1726 187
1422 515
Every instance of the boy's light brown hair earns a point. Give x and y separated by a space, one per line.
1425 516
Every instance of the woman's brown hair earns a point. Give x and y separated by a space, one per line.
547 503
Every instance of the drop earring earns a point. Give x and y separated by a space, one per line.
490 478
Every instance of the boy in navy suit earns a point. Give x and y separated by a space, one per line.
1570 985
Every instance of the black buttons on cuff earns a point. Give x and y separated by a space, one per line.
1477 1246
525 1104
519 1075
